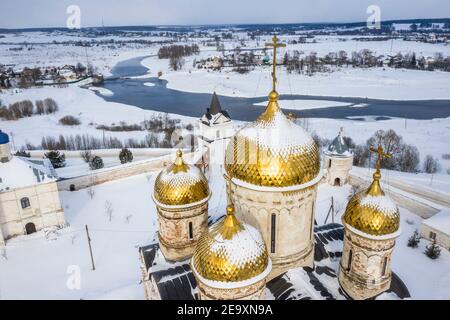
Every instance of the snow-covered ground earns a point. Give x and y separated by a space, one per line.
438 182
378 83
83 104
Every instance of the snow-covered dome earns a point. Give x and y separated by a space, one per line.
338 147
4 138
180 184
372 211
231 255
273 151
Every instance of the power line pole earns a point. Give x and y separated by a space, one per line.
331 210
90 248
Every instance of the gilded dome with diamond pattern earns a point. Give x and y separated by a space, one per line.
180 184
372 211
273 151
231 252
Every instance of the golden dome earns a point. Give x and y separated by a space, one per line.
180 184
373 212
272 151
231 252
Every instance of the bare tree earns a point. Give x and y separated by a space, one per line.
4 254
128 218
109 210
91 192
431 165
86 155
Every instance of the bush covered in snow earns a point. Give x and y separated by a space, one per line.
26 108
86 155
433 251
57 159
22 153
414 240
125 156
96 163
431 165
69 121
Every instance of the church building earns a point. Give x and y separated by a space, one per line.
338 161
267 245
29 197
215 131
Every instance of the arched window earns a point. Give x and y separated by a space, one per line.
273 233
191 231
349 262
25 203
384 267
329 163
218 134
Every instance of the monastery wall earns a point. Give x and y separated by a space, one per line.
127 170
412 204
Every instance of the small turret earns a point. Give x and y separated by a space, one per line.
5 150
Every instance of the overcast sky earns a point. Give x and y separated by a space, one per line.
52 13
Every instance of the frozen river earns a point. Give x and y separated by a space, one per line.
160 98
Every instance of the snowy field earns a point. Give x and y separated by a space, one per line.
83 104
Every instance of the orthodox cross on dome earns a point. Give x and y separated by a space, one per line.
275 44
380 155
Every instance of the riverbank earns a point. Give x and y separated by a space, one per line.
134 82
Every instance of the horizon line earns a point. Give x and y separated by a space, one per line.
221 24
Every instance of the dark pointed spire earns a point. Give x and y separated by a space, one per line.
215 107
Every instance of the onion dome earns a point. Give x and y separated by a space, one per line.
4 138
273 151
231 254
180 184
372 211
338 147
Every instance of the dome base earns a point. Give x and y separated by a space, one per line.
300 260
179 252
255 291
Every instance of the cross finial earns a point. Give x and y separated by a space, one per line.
179 158
380 154
275 44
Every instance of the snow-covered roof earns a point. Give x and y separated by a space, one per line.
175 280
21 172
214 114
338 147
440 221
4 138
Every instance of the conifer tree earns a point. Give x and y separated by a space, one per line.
57 159
96 163
125 156
433 251
414 240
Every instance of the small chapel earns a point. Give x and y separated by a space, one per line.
29 196
266 244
